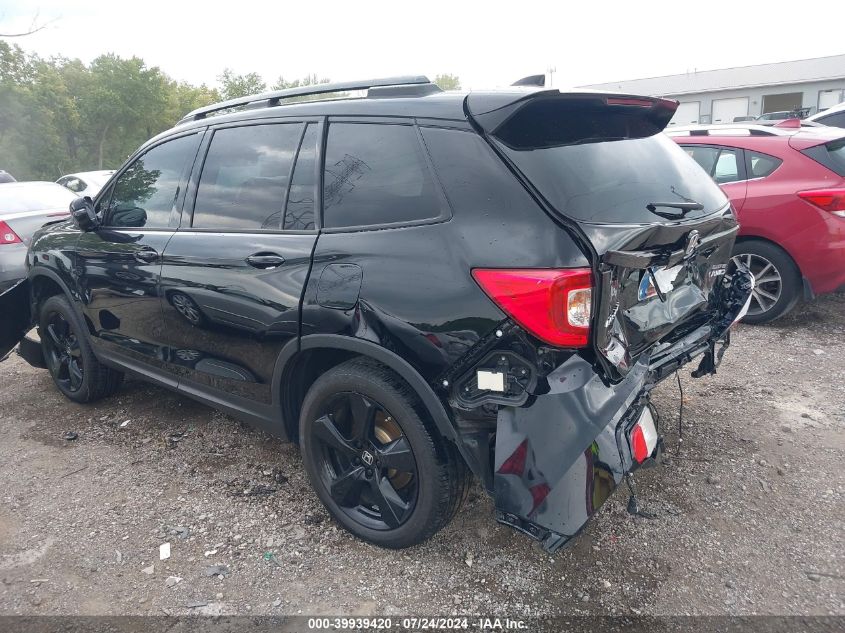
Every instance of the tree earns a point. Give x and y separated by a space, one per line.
233 85
308 80
448 82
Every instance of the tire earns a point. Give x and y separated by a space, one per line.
417 481
771 298
75 370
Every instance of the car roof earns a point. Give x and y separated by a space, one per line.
30 184
820 133
102 173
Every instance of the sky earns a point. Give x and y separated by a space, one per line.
486 44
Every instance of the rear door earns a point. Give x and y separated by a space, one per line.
233 274
658 229
118 264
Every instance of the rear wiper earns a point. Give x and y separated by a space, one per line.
684 207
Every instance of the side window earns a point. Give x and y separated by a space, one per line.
727 167
299 213
761 165
703 155
376 174
146 192
245 176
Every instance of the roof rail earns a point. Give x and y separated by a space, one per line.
273 98
727 129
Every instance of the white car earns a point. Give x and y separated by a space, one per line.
86 183
834 116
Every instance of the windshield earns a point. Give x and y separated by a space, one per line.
40 197
613 181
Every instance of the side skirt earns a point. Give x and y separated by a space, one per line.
265 417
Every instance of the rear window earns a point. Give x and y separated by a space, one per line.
831 155
613 180
15 199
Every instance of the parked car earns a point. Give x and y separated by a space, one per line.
6 177
415 286
788 188
25 207
834 117
86 183
798 113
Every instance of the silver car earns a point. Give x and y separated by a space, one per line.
24 208
86 183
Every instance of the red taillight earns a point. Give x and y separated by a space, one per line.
553 305
832 200
7 235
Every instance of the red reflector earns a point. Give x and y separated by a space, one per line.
7 235
553 305
638 445
643 437
832 200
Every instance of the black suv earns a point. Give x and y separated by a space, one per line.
415 286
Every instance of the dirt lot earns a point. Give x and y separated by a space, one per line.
749 516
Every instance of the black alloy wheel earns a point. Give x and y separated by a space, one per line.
367 463
64 355
67 351
375 458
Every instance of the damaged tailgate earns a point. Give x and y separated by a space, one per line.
659 234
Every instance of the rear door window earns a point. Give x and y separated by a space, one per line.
377 174
245 177
727 167
723 164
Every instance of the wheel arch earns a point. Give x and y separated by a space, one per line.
45 283
806 287
299 365
758 238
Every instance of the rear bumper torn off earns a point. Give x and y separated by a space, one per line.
560 455
560 458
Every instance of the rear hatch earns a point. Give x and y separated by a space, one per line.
657 228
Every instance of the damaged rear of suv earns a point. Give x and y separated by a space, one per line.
415 286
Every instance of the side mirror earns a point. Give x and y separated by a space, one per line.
83 214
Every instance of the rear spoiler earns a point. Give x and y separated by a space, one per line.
493 110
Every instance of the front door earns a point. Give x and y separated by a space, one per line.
118 265
233 274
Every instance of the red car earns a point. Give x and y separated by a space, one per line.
787 184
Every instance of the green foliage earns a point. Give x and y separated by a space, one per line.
448 82
233 86
59 116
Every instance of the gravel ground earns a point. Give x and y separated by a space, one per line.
748 514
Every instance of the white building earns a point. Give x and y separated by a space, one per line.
720 96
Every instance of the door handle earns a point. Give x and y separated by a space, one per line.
146 255
265 260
